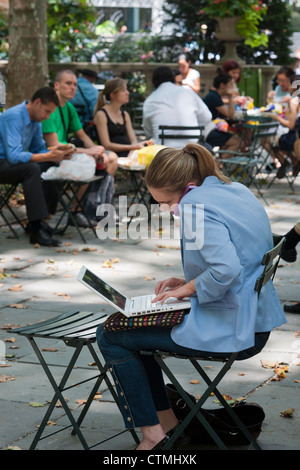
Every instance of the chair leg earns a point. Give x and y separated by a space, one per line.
222 400
61 387
4 202
196 408
58 395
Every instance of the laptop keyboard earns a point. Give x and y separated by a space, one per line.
144 303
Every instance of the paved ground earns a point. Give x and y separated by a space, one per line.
39 283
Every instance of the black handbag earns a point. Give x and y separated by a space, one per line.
251 414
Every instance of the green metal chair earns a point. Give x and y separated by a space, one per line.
6 192
78 331
181 132
270 262
245 167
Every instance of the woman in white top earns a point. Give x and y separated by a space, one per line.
190 77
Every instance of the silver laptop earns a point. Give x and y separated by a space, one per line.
141 305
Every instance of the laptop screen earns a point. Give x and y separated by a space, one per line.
104 289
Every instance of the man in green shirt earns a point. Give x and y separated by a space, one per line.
65 121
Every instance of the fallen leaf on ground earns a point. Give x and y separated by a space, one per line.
16 288
281 371
12 448
194 381
50 349
17 306
107 264
170 247
9 326
288 413
269 364
36 404
6 378
10 340
61 294
80 401
58 403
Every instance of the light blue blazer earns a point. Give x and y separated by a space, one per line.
222 249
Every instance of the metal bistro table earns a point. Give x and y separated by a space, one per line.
67 192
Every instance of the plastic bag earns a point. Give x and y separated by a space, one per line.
80 167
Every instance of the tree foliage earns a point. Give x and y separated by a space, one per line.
70 37
189 17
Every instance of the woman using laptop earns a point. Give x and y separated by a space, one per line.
220 269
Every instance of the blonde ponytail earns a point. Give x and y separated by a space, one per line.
100 102
174 169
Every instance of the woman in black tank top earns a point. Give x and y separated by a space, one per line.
113 124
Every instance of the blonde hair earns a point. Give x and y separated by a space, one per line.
173 169
111 86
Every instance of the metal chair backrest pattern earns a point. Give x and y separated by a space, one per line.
179 132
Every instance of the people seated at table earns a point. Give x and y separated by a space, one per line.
86 95
284 144
281 93
112 122
223 86
24 155
190 77
57 129
172 105
233 68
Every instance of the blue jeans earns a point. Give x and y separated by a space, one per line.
138 378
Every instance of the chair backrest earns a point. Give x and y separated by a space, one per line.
180 132
270 262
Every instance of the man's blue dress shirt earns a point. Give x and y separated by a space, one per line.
19 136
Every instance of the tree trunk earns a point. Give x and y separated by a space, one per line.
27 70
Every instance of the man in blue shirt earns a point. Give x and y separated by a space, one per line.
23 155
86 95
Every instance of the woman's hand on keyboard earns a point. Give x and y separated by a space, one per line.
171 283
182 290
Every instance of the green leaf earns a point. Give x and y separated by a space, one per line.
36 404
